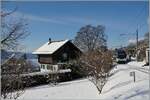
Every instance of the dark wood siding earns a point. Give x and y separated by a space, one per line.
69 50
45 59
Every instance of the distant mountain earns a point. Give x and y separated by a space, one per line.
6 54
31 56
28 56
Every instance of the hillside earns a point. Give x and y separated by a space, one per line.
119 86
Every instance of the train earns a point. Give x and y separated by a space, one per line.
121 56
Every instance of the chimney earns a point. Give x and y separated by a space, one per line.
49 41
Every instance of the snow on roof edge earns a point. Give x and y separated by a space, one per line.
50 48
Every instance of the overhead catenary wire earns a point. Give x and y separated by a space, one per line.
131 26
136 24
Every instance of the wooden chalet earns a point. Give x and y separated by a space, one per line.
54 54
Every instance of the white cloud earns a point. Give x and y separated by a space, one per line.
38 18
64 20
131 41
134 40
57 20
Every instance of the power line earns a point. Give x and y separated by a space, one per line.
136 17
137 20
132 25
141 26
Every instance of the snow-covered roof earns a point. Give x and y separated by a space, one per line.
50 48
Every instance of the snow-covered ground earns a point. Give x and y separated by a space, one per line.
119 86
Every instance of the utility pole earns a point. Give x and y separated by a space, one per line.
137 44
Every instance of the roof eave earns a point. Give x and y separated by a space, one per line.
38 53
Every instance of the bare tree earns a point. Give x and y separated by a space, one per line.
12 68
11 84
96 65
143 45
96 61
131 49
89 38
12 31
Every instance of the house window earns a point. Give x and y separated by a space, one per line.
43 66
49 67
64 56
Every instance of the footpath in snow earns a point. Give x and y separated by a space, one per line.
119 86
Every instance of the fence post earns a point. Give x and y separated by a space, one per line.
133 74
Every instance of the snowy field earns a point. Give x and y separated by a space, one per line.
119 86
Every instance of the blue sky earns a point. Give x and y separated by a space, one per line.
62 20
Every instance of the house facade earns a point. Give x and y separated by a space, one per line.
53 55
